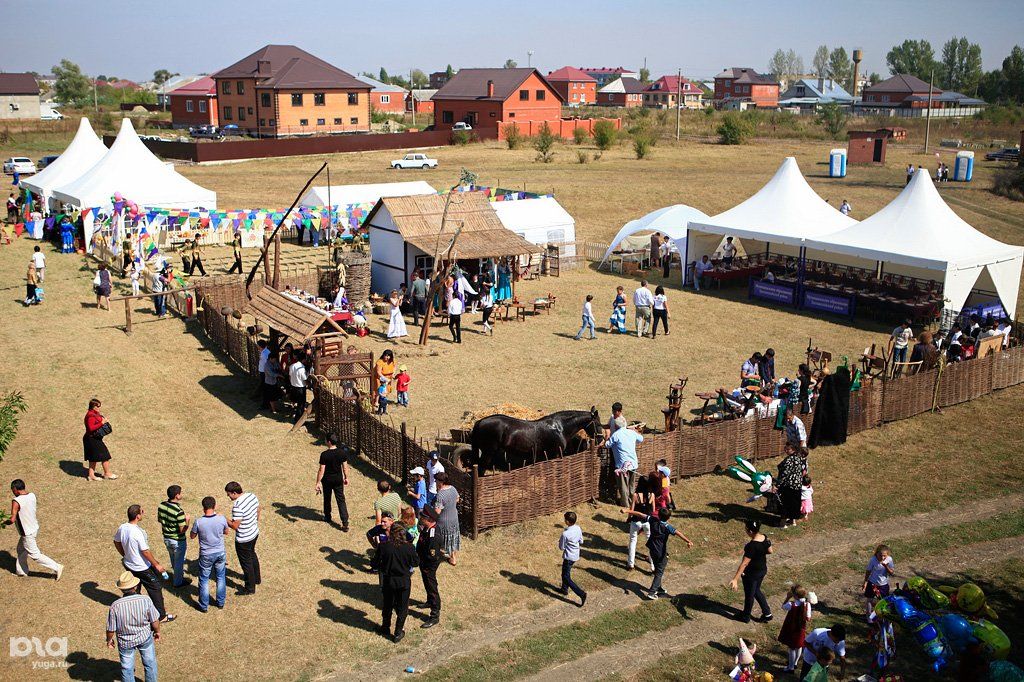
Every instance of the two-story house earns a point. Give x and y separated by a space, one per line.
906 95
282 90
486 97
576 87
740 87
671 91
19 96
622 92
194 103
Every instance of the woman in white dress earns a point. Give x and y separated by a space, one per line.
396 328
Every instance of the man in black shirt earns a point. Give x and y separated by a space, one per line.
331 478
430 550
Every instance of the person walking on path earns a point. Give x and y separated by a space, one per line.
298 377
876 578
96 452
23 517
752 570
39 260
236 251
622 445
569 543
431 554
643 502
657 545
643 299
617 322
132 543
174 524
245 521
101 285
133 624
660 311
446 504
331 479
397 558
197 259
455 308
211 528
588 318
31 285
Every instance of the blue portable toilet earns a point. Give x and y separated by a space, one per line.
837 163
963 169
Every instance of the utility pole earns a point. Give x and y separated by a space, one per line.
412 97
928 120
679 103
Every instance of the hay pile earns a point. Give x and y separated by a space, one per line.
511 409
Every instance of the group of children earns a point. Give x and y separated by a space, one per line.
402 380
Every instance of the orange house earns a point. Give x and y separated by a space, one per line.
282 90
576 87
194 104
483 97
743 84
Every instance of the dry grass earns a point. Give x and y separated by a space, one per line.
181 416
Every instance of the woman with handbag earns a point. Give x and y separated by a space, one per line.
96 452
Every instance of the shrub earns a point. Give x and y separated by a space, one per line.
597 156
513 135
545 143
832 118
643 139
463 137
605 134
580 134
1009 183
733 129
581 156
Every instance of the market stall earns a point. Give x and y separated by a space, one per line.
671 220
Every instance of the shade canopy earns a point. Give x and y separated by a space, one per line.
917 230
347 195
82 154
134 171
671 220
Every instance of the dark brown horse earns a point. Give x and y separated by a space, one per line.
502 442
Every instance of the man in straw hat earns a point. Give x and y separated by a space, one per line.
134 624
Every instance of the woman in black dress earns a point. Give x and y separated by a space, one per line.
752 571
96 451
790 482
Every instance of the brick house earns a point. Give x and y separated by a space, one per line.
740 86
438 79
622 92
19 96
194 104
907 96
485 97
385 96
282 90
576 87
420 99
663 93
604 75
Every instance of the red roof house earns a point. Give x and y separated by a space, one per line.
745 85
487 97
575 86
194 104
663 93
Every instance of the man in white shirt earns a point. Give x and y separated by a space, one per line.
245 521
297 379
818 640
23 515
901 336
845 207
132 543
39 259
434 467
1004 329
728 251
665 252
910 172
699 268
643 301
455 309
262 369
588 318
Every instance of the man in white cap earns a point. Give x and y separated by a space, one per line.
133 624
419 489
434 467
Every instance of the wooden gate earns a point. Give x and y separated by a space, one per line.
553 257
351 369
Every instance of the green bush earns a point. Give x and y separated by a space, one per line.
733 129
605 133
832 118
463 137
545 144
580 134
513 135
582 156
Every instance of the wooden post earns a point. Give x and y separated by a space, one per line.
405 456
277 261
359 425
127 316
266 261
476 501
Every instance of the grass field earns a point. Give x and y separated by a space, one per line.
180 415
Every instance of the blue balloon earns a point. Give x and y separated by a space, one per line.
959 633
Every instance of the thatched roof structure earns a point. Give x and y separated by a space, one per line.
290 316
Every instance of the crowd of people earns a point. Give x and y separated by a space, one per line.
650 309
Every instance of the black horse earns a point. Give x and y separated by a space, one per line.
502 442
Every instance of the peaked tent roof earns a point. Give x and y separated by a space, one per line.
471 84
346 195
289 315
82 154
672 220
785 211
134 171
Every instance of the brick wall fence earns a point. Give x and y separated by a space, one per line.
563 127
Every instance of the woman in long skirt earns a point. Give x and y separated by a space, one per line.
446 505
618 318
504 290
96 451
396 327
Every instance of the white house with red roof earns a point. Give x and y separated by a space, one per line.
670 91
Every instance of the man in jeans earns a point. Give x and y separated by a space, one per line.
419 297
23 516
657 545
133 624
174 524
622 445
643 300
245 521
901 336
569 543
132 543
211 528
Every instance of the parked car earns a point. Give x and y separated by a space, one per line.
231 129
50 115
462 125
1007 154
19 164
205 132
415 161
46 161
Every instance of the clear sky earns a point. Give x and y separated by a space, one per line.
132 39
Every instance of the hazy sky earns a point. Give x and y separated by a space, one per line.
132 39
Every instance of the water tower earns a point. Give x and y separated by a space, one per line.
858 55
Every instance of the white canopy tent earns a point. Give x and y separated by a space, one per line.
917 234
671 220
347 195
134 171
779 217
82 154
539 221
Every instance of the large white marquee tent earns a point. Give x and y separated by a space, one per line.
82 154
918 235
539 221
671 220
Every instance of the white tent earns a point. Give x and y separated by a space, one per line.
671 220
134 171
82 154
347 195
779 217
538 221
917 234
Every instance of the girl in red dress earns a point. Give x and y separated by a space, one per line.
794 627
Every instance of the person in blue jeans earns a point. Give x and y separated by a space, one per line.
174 525
588 318
211 528
133 624
569 543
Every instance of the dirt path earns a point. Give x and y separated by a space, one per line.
624 592
633 656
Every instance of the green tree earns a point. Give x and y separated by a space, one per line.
832 118
645 75
513 135
644 138
733 129
449 72
545 143
874 78
961 66
1013 74
383 76
11 405
580 134
161 76
72 86
605 133
784 65
820 61
418 79
914 57
840 68
510 64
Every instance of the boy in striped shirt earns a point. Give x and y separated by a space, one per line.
174 523
245 517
